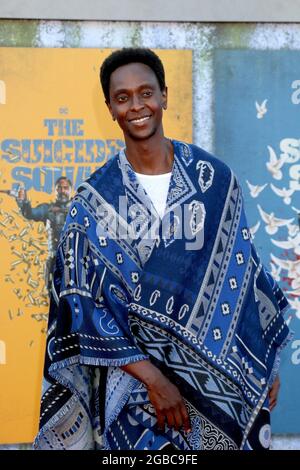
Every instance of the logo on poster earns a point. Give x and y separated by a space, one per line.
38 163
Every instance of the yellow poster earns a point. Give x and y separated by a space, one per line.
55 130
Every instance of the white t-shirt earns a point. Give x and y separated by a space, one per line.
156 187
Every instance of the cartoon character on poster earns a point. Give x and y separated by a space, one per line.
52 214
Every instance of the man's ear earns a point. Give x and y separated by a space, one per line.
110 109
165 98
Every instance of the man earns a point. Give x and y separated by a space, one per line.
53 215
164 327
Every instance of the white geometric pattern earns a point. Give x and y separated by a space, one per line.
73 211
217 334
206 174
239 258
245 233
233 283
135 276
225 308
102 241
120 259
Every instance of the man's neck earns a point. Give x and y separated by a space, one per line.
150 156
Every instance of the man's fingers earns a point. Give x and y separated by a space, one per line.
178 419
185 418
171 419
160 421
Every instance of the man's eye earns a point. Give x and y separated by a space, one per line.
147 93
122 98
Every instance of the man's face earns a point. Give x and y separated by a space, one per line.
63 191
136 100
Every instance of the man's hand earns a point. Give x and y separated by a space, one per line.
21 194
273 393
163 395
168 404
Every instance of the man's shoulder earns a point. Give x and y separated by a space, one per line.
101 175
191 152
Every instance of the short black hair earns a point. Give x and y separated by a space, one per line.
128 55
63 178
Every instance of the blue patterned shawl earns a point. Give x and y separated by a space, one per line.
196 302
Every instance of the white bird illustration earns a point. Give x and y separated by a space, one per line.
295 284
292 267
290 243
275 272
293 229
254 229
295 292
284 193
261 109
272 222
274 164
255 190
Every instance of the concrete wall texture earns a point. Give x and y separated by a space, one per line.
202 38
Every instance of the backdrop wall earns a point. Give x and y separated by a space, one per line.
236 67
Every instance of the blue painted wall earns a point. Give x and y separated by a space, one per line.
257 117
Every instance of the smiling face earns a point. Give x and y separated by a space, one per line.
136 101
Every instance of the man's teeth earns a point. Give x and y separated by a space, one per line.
141 119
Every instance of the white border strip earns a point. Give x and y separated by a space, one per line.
155 10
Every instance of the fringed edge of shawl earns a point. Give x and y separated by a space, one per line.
117 411
277 359
95 361
84 361
273 375
52 422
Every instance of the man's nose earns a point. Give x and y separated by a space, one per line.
137 103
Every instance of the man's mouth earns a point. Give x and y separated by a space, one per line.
63 197
139 120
